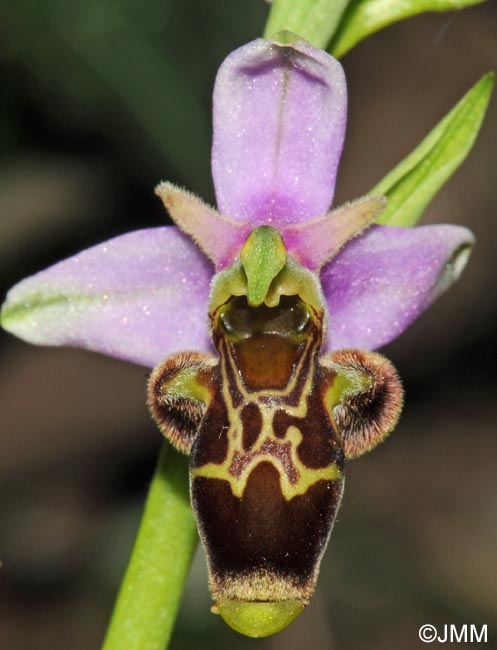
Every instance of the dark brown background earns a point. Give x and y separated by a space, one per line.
92 117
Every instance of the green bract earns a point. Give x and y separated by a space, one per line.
365 17
314 20
415 181
347 22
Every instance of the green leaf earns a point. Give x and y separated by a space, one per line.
314 20
411 185
152 588
365 17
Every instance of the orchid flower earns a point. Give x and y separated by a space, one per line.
279 124
293 296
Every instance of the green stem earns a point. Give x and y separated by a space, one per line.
151 591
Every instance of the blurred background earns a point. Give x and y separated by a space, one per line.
99 101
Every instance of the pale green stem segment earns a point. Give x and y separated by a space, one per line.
152 588
365 17
411 185
314 20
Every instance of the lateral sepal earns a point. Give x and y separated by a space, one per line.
179 391
365 398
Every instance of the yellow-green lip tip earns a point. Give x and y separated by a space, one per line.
258 619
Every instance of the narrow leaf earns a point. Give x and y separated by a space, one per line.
365 17
314 20
411 185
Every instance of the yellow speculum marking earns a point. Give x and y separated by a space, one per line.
294 481
306 476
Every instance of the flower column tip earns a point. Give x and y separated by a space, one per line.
263 256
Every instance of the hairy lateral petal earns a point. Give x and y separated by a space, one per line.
316 242
381 282
138 297
279 124
220 238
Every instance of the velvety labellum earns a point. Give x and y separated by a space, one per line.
268 426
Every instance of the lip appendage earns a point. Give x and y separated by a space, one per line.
268 426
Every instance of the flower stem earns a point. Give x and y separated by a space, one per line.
152 588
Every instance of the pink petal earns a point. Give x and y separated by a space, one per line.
381 282
139 297
279 126
220 238
316 242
